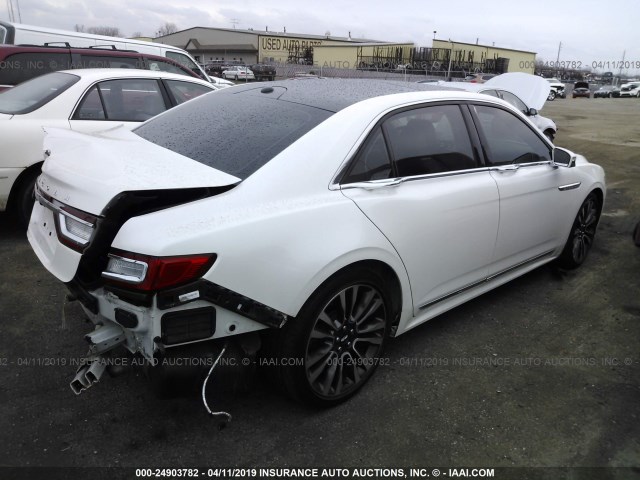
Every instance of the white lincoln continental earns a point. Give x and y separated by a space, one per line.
318 217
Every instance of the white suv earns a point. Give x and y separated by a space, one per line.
557 89
631 89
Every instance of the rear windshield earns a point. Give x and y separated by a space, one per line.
236 133
35 93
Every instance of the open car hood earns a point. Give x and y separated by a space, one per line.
581 85
87 171
532 89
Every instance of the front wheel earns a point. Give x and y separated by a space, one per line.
335 343
583 232
552 95
550 134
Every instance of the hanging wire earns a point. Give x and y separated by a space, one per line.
204 387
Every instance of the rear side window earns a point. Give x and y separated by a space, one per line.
21 67
35 93
429 140
372 161
236 133
130 100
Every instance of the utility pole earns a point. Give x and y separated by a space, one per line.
621 64
558 61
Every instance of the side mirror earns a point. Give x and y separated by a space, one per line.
532 112
563 158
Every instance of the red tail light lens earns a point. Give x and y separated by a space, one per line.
146 273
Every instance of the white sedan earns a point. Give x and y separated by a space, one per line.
238 73
528 93
81 100
320 218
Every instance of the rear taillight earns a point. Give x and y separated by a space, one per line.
146 273
74 227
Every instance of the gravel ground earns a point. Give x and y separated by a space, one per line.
542 372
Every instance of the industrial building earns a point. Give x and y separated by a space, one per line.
327 51
252 46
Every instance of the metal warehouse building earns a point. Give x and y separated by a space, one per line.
253 46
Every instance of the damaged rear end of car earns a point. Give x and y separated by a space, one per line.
134 299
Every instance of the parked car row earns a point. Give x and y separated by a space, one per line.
240 71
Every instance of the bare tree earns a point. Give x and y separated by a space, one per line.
136 34
167 29
102 30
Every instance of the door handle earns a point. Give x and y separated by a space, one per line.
507 168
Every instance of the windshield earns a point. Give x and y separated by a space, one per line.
236 133
35 93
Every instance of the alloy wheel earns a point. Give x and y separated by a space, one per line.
585 229
345 341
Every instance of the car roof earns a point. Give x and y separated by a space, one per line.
92 74
334 94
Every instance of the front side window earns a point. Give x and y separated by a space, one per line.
513 100
131 100
35 93
429 140
507 140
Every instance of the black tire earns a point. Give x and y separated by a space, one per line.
550 134
552 96
24 198
582 234
330 350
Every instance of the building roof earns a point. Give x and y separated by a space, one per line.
481 45
279 34
239 47
369 44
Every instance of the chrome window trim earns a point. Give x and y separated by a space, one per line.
399 180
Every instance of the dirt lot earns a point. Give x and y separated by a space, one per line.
541 372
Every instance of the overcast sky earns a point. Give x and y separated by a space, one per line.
590 30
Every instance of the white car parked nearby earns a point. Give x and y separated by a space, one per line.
237 72
82 100
320 217
631 89
526 92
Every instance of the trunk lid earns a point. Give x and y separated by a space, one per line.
532 89
87 171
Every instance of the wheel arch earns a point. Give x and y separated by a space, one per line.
24 176
392 280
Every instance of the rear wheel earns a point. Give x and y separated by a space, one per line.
330 350
583 232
